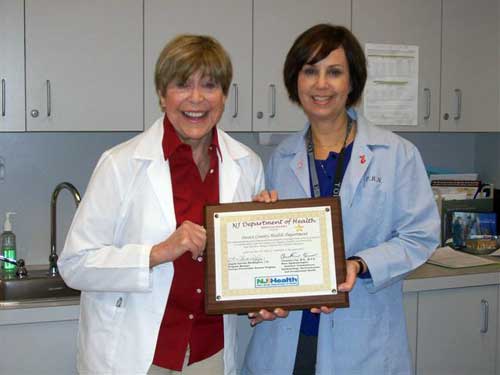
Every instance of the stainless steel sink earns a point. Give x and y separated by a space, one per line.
37 284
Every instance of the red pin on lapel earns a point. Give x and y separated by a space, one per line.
362 159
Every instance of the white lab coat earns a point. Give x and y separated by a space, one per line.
127 208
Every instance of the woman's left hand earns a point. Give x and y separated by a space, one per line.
352 269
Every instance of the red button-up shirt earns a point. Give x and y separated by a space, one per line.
185 322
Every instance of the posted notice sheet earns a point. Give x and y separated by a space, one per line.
391 92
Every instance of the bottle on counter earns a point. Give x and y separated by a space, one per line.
8 240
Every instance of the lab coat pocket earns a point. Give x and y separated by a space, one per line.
360 345
101 316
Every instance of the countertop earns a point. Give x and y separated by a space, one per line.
432 277
426 277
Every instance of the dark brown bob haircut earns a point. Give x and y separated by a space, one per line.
314 45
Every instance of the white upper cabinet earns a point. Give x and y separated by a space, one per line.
230 22
12 66
458 44
84 65
402 23
470 73
277 24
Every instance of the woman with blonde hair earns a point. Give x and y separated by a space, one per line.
135 248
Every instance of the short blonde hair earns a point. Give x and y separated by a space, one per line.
187 54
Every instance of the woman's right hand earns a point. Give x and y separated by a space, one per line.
187 237
266 196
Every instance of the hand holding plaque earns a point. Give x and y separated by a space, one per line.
287 254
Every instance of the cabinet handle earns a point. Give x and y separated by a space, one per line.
273 100
49 99
3 97
485 307
458 94
235 91
427 93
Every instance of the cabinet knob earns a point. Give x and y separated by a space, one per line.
260 115
34 113
446 116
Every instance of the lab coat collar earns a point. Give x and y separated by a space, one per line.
149 148
150 151
229 169
368 137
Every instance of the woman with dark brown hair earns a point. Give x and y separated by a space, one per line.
390 220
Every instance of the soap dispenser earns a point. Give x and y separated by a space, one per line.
8 242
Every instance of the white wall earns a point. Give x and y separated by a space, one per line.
34 164
488 157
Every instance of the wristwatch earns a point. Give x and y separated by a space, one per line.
361 265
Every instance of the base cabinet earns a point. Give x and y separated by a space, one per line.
453 331
39 341
39 348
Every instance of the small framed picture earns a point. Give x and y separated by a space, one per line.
464 226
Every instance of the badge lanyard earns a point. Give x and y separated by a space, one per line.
339 170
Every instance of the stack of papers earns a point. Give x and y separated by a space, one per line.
448 257
454 176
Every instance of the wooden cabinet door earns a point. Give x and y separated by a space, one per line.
230 22
277 24
470 73
12 108
402 23
84 64
457 330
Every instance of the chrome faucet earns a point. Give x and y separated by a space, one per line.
21 270
53 271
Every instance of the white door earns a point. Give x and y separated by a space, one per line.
276 26
401 23
230 22
469 94
457 330
12 110
84 64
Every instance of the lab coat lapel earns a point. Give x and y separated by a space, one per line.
229 176
158 170
229 170
159 176
299 166
367 137
361 158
